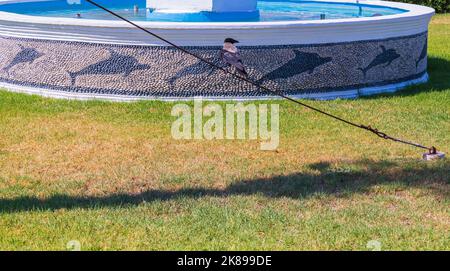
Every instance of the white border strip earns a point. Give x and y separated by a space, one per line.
343 94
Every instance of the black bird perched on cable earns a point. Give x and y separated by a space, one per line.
231 56
432 152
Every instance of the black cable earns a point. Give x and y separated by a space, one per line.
364 127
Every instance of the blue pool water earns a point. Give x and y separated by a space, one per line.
269 11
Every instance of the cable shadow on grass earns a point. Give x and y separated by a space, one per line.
438 71
326 179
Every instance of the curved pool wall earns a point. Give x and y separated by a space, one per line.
94 59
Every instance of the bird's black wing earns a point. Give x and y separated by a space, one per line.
234 60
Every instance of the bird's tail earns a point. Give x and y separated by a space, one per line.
364 71
242 72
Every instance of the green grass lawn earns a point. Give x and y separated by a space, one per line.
110 175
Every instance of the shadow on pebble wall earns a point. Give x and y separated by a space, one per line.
167 72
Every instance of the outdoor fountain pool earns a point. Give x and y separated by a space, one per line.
312 49
266 11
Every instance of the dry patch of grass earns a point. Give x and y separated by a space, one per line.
111 176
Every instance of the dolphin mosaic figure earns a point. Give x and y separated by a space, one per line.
116 64
197 68
423 54
26 55
386 57
302 62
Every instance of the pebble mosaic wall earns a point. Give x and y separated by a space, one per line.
166 72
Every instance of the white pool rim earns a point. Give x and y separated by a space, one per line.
414 21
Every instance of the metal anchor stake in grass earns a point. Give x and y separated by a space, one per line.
432 153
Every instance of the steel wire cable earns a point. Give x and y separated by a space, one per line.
432 150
